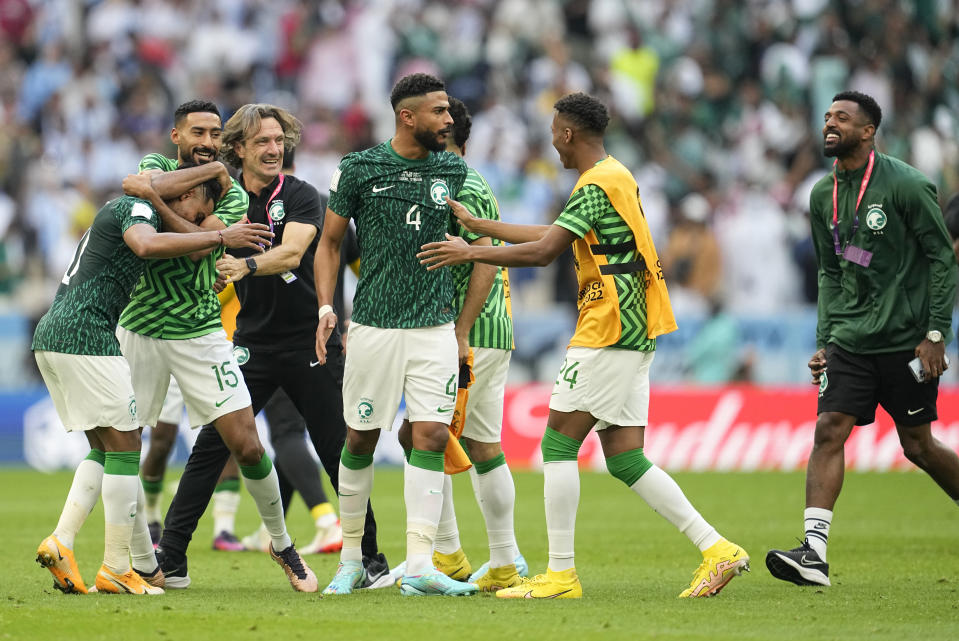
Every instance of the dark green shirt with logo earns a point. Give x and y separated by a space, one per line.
398 204
909 286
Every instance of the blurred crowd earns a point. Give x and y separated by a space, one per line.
717 107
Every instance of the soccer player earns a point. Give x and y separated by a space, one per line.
887 285
89 380
172 326
604 381
402 340
485 326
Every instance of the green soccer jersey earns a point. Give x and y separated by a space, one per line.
398 204
174 299
97 285
494 325
590 208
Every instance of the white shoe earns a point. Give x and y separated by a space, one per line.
327 540
258 541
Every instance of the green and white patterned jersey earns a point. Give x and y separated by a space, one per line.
175 299
97 285
590 208
398 204
494 325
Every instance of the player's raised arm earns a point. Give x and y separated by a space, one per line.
539 253
507 232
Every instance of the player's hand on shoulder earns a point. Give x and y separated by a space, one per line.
453 251
463 215
247 235
223 177
138 186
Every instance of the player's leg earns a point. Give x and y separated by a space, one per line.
153 468
430 392
848 395
490 475
287 432
932 456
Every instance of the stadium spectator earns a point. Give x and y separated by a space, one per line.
887 287
604 381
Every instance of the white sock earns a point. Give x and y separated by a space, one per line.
225 505
817 522
266 495
141 546
119 512
561 496
355 487
83 495
498 498
423 492
447 533
661 492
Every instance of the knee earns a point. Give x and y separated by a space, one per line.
831 432
915 451
249 453
405 436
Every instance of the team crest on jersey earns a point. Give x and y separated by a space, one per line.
241 354
439 190
276 211
823 383
133 408
364 410
876 218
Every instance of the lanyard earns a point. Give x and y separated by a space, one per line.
279 186
835 201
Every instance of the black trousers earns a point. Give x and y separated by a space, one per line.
317 394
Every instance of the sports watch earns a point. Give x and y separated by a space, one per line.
251 265
934 336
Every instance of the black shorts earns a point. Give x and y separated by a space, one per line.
855 383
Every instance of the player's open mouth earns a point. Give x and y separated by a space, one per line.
203 155
831 138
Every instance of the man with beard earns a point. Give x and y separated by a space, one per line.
172 327
887 284
402 340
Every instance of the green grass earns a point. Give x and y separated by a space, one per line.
893 554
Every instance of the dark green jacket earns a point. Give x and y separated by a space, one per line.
909 287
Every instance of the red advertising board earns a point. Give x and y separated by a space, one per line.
725 428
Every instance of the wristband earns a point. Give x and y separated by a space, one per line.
219 233
326 309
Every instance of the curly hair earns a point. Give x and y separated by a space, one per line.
415 84
192 107
584 111
462 121
867 104
246 122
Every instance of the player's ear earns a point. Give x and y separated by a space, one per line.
187 194
175 136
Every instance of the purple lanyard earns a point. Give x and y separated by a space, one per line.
835 201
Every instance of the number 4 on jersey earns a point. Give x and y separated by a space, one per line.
413 216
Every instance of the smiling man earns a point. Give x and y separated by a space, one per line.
887 284
402 339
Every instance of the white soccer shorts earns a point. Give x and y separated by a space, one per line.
89 391
484 409
384 365
204 367
172 410
611 384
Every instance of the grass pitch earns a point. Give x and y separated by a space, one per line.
894 557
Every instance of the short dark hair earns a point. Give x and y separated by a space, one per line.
192 107
951 214
415 84
462 121
584 111
210 189
866 103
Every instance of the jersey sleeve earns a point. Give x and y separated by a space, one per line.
156 161
584 208
133 211
343 200
306 207
233 206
